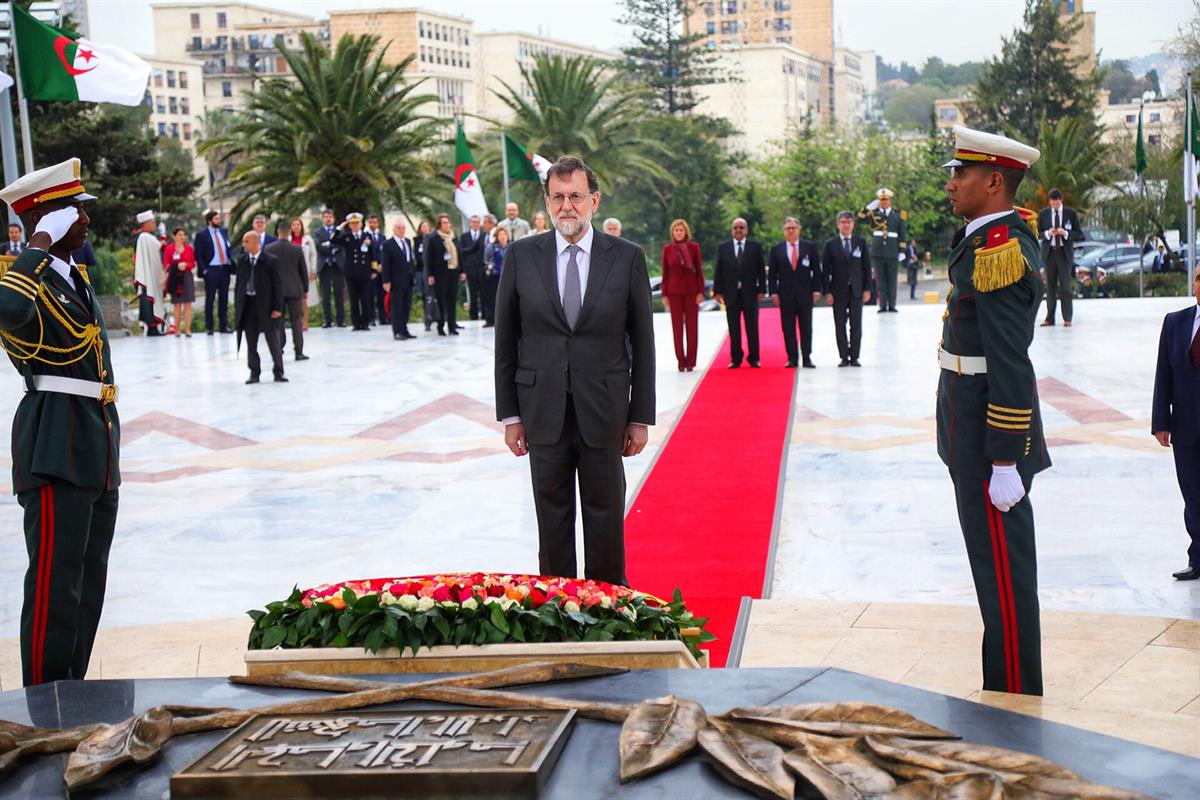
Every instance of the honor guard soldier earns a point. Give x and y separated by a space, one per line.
359 256
889 242
989 426
66 433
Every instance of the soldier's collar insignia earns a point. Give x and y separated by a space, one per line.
63 298
978 240
997 235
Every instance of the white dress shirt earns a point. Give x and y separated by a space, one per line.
979 222
582 259
402 243
1195 324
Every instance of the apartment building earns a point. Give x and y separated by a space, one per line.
176 98
806 25
501 57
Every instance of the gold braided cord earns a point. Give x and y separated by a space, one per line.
88 337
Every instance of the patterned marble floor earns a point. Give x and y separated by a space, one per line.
382 457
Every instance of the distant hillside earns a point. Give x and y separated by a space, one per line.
1170 69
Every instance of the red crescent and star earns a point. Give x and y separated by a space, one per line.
462 170
60 47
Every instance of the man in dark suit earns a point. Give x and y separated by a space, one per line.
796 283
1161 262
739 281
470 256
358 256
329 271
1175 419
375 305
847 268
1060 229
213 262
14 244
575 372
398 275
258 306
293 282
259 227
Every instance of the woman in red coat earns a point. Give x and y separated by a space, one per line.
683 289
179 262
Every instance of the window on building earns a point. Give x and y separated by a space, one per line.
159 104
182 79
783 40
170 79
174 128
949 114
221 22
1130 119
421 28
197 43
729 7
195 22
710 9
184 106
162 129
172 105
710 27
729 26
1154 139
422 52
1155 116
158 79
783 24
226 88
783 5
187 131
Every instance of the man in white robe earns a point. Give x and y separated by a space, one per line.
148 275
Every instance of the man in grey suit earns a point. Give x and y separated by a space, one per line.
575 372
293 281
1059 228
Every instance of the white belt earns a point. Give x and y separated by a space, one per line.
890 234
963 365
104 392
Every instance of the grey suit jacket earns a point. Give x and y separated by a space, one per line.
539 358
293 271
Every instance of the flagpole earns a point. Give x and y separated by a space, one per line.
504 165
22 103
1191 216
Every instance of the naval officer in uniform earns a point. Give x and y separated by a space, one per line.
989 426
889 243
66 433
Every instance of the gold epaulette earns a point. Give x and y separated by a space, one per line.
998 266
6 261
1030 217
904 215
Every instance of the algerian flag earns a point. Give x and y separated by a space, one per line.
1139 160
1191 166
60 65
468 194
523 165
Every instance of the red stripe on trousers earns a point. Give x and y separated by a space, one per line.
41 595
1012 606
1001 589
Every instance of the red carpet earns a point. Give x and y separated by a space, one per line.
702 520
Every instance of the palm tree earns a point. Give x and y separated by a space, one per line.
1073 159
582 107
343 131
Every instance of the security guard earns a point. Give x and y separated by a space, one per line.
889 242
989 425
66 433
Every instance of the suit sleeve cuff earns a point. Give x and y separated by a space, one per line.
510 421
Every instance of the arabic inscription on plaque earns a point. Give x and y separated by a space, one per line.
503 752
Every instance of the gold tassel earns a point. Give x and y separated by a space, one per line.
999 266
6 262
1030 217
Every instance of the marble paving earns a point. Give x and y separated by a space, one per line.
382 457
1134 677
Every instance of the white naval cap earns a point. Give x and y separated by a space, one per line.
977 147
58 182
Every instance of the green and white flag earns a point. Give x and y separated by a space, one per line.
468 194
1191 153
61 65
522 164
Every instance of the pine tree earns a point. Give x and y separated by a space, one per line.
664 57
1035 78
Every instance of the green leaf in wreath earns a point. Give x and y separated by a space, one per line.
498 619
443 627
273 637
516 630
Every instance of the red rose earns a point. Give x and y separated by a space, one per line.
537 597
496 590
465 593
441 594
572 588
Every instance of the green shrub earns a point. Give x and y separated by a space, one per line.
113 273
1170 284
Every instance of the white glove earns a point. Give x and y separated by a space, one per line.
903 258
57 223
874 204
1005 489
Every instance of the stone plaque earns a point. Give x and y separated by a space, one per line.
409 753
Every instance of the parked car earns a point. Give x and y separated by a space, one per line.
1118 259
1085 247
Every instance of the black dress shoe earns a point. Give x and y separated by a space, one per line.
734 364
327 325
808 364
845 362
792 365
407 335
854 362
210 333
454 331
301 357
754 364
489 325
1189 574
441 332
881 311
341 324
252 379
226 330
280 379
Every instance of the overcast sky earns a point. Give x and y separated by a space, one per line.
899 30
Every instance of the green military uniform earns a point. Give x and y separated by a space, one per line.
996 286
65 451
889 238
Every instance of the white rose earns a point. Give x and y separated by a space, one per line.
470 603
605 601
387 599
571 605
407 602
449 604
425 603
487 601
507 602
524 590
